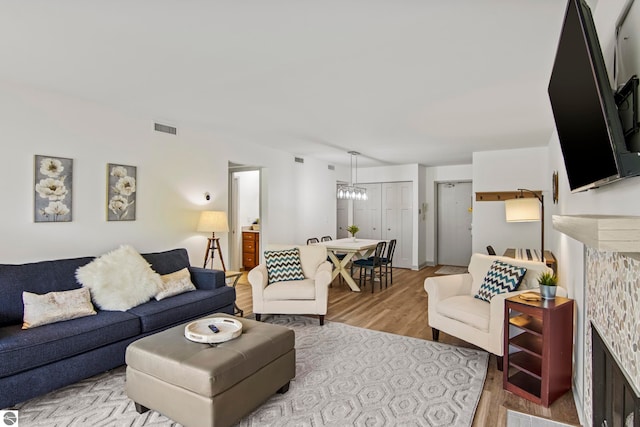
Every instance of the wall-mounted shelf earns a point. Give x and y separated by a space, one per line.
498 196
611 233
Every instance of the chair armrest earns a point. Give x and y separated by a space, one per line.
323 274
258 279
204 278
443 287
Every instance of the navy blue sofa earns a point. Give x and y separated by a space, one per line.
36 361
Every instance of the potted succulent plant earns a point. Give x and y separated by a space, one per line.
548 285
353 229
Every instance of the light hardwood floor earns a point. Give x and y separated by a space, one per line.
402 309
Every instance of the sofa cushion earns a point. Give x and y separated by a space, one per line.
283 265
120 279
501 278
175 283
291 290
21 350
168 261
39 278
180 308
55 307
468 310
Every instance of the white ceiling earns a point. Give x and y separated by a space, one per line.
401 81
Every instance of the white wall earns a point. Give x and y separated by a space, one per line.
621 198
173 174
508 170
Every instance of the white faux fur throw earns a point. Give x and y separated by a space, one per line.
120 279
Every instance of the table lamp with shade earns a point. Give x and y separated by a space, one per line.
527 209
212 222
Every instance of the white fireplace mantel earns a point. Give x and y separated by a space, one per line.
602 232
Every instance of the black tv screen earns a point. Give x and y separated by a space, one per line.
584 108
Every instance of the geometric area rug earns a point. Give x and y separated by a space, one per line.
344 376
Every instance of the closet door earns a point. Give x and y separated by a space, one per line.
366 213
342 218
397 219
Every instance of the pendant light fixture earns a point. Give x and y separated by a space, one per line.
352 192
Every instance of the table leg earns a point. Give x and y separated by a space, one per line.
341 268
236 277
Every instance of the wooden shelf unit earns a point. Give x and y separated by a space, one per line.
250 249
540 366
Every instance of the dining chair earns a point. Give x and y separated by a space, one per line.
387 262
370 265
312 240
325 238
490 250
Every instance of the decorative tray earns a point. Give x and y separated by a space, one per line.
530 296
199 330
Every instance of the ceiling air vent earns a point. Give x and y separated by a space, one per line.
165 128
299 160
331 167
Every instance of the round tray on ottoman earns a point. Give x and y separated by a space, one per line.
199 331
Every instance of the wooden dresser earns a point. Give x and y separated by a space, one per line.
250 249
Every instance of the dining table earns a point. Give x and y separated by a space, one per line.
350 247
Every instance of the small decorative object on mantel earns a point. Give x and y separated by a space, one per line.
548 285
53 182
353 229
121 192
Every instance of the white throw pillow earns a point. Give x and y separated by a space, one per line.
175 283
55 306
120 279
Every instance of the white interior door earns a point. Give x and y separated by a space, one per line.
366 213
397 220
342 218
454 223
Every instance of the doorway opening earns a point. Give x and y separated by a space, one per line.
245 216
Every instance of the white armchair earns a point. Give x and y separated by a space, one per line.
308 296
454 310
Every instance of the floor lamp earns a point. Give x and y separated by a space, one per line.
523 209
210 222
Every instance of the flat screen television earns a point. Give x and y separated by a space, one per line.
584 108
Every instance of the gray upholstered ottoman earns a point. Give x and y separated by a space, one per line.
201 385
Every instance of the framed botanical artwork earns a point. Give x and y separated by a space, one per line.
121 192
53 178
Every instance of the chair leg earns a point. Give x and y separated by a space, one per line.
372 279
258 316
500 362
321 317
435 333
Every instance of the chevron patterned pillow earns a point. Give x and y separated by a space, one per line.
283 265
500 278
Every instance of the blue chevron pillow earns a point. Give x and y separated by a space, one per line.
283 265
500 278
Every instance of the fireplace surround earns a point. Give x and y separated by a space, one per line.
616 402
611 296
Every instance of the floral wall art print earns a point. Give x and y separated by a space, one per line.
121 192
53 181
